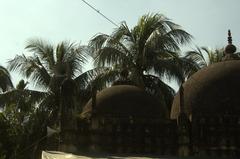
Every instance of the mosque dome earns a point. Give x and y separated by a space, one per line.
213 89
125 101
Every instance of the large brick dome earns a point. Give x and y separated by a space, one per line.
125 101
214 89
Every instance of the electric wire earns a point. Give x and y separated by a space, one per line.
108 19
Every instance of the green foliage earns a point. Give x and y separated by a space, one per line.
49 66
6 83
66 59
20 137
19 119
202 56
154 41
151 48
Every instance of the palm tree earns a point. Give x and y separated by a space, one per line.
203 56
49 66
149 52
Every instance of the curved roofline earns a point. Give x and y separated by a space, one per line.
124 100
201 81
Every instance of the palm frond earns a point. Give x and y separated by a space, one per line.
5 78
98 41
159 89
169 41
105 78
204 56
30 67
168 68
108 56
14 96
214 55
42 49
75 59
180 36
158 28
85 78
98 77
122 34
197 56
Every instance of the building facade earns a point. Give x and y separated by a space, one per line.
204 120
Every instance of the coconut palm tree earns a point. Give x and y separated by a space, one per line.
49 63
49 66
148 49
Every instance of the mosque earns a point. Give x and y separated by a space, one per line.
204 118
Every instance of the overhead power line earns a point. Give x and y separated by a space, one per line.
104 16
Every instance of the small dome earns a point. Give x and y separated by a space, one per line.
230 49
214 89
125 101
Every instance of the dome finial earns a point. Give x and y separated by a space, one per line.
230 48
229 37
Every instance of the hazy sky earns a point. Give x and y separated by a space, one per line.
58 20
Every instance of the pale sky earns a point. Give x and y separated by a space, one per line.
58 20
